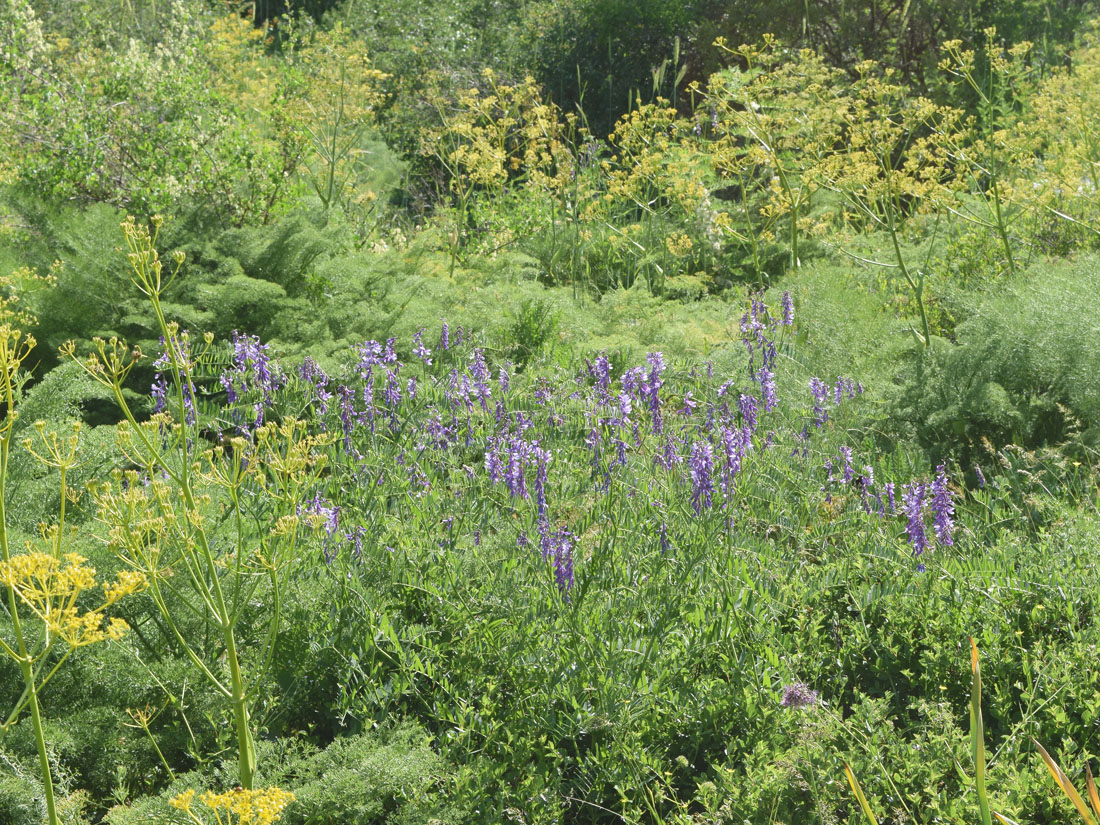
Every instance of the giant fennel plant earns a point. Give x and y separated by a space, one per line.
211 530
53 600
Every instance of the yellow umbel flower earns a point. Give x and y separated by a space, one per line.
50 586
239 806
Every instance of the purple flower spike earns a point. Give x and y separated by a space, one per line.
747 405
788 309
846 461
421 351
767 388
820 391
943 511
913 497
563 560
701 464
159 392
652 389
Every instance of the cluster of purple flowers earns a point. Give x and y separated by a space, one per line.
940 500
799 695
693 441
916 497
252 370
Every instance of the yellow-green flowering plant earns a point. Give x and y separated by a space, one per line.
52 601
773 121
894 164
491 136
207 528
1063 177
990 151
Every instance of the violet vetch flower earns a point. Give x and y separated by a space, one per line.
481 376
620 453
493 465
182 346
767 388
542 464
562 555
445 337
252 366
846 458
734 447
669 456
913 497
348 416
312 373
799 695
788 309
701 464
890 496
518 453
390 355
866 482
391 395
943 511
355 539
419 350
747 406
689 404
600 371
820 391
159 392
844 386
654 382
980 477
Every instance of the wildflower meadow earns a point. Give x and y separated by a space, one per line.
439 411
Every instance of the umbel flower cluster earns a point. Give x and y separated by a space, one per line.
50 587
235 807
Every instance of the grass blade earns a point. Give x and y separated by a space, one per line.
858 791
1004 820
1090 786
1067 788
977 734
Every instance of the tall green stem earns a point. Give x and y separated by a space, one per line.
40 738
915 284
246 756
